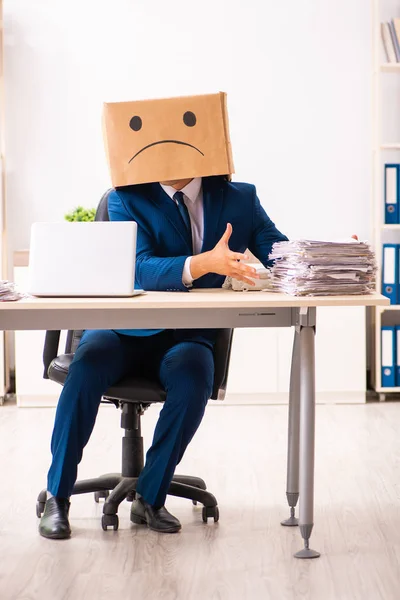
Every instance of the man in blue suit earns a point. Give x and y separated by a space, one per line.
192 233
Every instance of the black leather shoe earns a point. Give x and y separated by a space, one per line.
157 519
54 523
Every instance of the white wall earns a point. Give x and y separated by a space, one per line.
297 75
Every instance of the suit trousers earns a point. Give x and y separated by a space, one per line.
185 370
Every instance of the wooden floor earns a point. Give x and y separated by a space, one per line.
240 451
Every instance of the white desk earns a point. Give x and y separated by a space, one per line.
213 309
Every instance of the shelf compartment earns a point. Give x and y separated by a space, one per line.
382 309
391 146
390 67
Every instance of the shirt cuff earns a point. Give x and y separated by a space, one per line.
187 278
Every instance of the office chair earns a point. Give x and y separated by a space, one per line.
133 395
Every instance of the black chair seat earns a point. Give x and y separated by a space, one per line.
137 390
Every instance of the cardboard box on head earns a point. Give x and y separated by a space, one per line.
167 139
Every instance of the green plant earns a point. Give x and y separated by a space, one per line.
81 214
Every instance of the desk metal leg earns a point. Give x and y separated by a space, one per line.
306 328
292 480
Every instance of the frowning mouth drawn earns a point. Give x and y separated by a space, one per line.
165 142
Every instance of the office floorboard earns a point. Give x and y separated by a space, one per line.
241 452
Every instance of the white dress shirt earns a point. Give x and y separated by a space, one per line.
193 198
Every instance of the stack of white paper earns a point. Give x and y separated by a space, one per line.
8 293
314 268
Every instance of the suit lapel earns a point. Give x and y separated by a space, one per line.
213 201
169 209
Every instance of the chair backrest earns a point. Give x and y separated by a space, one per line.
222 357
102 209
222 347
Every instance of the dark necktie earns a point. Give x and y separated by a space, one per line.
184 213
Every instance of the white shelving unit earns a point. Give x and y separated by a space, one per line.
383 151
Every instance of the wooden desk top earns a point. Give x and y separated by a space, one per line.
217 298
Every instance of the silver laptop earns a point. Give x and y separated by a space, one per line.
83 259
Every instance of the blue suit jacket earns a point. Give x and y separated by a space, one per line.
163 244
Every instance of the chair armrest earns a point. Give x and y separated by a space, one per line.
50 350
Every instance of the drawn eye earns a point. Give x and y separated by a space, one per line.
189 118
135 123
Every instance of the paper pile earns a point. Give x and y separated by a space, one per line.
314 268
8 293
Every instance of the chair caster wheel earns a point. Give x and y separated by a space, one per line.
209 512
194 502
109 521
40 509
103 494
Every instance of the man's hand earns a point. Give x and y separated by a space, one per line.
223 261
